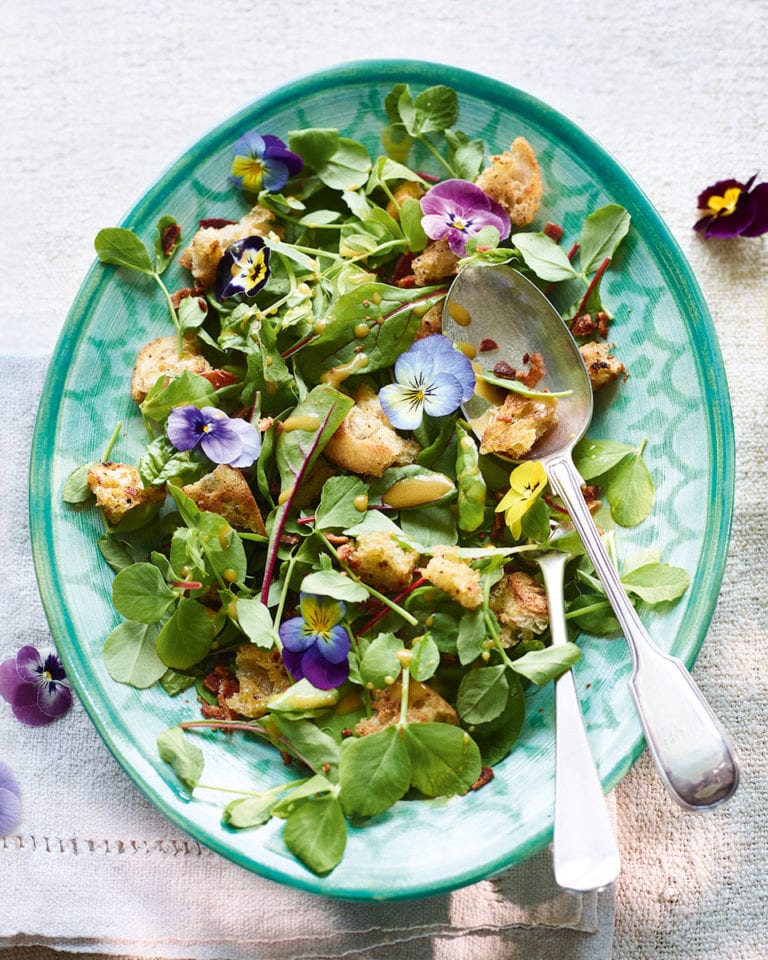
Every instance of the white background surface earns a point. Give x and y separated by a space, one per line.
97 100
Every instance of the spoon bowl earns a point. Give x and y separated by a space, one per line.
494 313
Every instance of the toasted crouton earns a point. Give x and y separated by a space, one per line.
424 706
602 366
203 254
118 490
436 263
161 357
261 675
450 573
520 603
226 492
514 180
380 561
431 322
517 424
366 443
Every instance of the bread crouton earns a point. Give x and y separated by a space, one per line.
517 424
118 489
514 180
602 366
447 571
260 674
520 603
436 263
424 706
225 491
207 247
160 357
431 322
365 442
380 561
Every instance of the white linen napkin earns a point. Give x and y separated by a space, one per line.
95 869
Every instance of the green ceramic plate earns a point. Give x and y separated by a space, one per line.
677 397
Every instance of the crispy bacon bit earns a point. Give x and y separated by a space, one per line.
169 237
219 378
536 370
584 325
554 231
504 370
591 491
486 775
222 682
337 539
406 282
215 222
487 344
182 294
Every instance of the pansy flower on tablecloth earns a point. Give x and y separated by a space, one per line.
35 686
10 801
315 644
433 378
731 208
222 439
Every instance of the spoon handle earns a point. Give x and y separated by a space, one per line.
692 752
584 852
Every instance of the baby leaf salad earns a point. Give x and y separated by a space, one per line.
315 541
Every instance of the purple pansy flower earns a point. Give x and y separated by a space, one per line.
315 645
733 209
432 377
263 163
243 268
457 210
222 439
36 687
10 801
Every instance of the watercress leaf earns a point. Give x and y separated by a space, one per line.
192 313
410 221
130 656
316 748
598 617
117 553
601 234
375 771
140 593
223 547
630 491
186 637
430 526
541 666
124 249
256 622
392 316
175 683
166 242
333 583
392 102
466 158
315 145
657 582
544 257
185 758
386 169
374 521
319 217
347 168
482 694
496 739
186 388
248 812
380 664
162 462
435 109
425 658
593 458
76 489
316 833
445 760
337 509
472 635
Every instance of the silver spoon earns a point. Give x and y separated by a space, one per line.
692 752
585 855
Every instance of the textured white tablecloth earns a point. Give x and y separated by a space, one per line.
96 101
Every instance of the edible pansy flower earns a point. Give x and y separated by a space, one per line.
222 439
457 210
432 377
36 686
733 209
526 483
10 801
315 645
243 268
263 163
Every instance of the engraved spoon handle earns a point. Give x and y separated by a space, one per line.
692 752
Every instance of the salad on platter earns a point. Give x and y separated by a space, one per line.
315 540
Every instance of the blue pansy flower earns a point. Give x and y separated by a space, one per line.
222 439
432 377
315 645
10 801
263 163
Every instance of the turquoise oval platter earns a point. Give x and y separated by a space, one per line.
676 398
